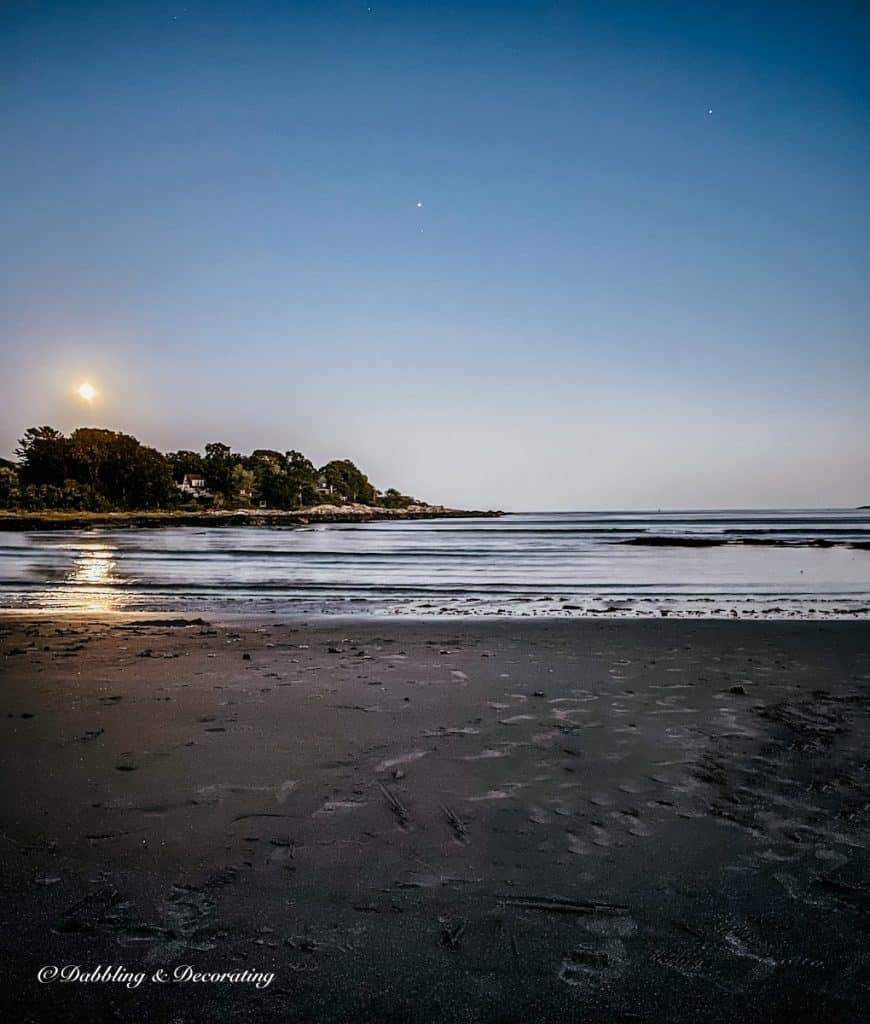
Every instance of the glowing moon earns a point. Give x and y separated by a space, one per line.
87 391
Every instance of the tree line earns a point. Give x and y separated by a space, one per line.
101 470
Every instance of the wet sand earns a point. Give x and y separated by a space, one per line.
437 821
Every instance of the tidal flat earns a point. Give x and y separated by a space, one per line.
436 820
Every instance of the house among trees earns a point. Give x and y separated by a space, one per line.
194 485
100 470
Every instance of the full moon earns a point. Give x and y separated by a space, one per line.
87 391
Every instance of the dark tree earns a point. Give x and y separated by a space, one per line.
218 464
43 454
92 469
100 470
391 498
121 470
185 463
302 478
10 492
343 480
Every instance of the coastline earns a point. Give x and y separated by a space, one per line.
456 820
237 517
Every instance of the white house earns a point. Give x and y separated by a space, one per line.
194 485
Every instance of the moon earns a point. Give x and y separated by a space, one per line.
87 391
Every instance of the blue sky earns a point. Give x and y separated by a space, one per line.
610 297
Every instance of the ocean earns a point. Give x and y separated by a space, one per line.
714 564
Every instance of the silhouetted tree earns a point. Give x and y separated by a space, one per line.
302 479
343 480
218 465
10 491
94 469
100 469
185 463
43 454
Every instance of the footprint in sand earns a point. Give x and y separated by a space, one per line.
467 730
216 791
564 714
576 845
539 816
600 836
285 789
546 738
633 787
633 825
601 959
338 807
640 829
498 794
280 852
392 762
601 800
684 961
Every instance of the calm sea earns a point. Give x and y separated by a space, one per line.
778 564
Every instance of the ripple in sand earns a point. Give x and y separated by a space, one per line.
486 754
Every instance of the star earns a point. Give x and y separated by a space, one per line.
710 111
419 206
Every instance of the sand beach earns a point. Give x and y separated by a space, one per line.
435 821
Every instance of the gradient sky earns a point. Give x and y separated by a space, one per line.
610 298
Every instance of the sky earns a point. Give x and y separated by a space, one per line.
504 255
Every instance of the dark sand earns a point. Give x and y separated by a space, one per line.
445 821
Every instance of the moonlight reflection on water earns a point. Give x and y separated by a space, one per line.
91 584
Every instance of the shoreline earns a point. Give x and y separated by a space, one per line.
320 617
10 521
